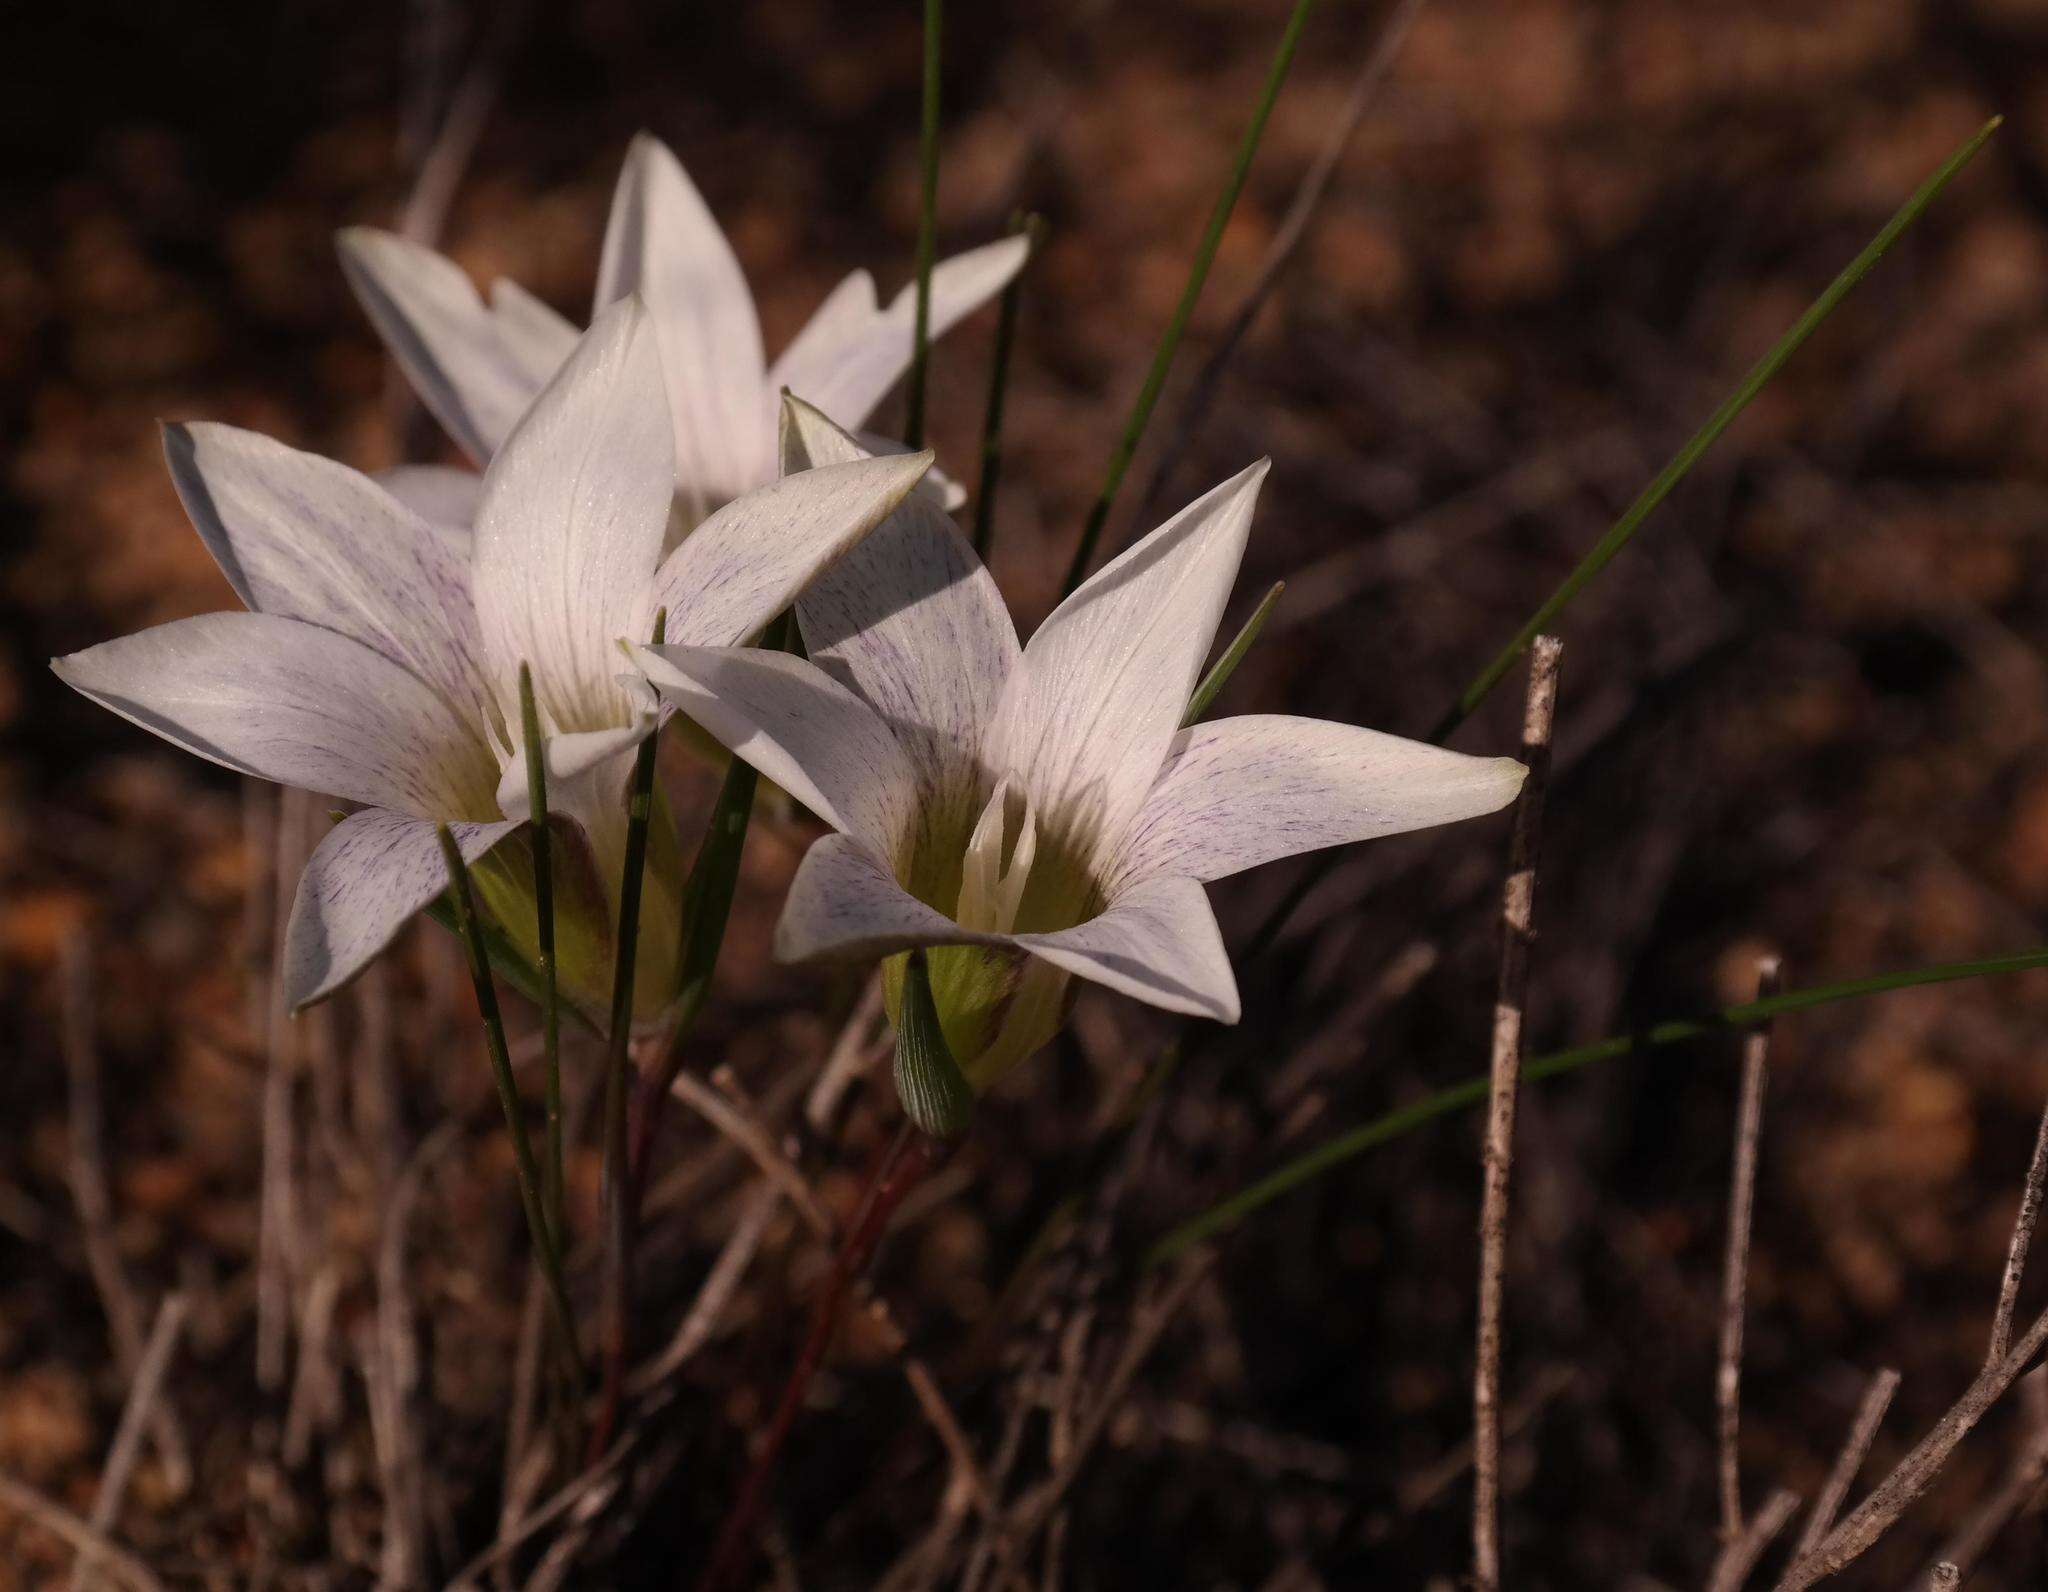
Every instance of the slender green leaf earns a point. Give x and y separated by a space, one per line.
1033 228
927 231
1217 678
1198 273
544 941
1472 1091
1700 441
468 925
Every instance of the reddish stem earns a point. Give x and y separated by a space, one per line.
907 1160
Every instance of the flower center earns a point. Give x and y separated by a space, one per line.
997 863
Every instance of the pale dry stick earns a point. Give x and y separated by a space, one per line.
1032 1511
1749 1123
87 1173
745 1130
720 1284
526 1462
1855 1449
316 1386
2016 1249
566 1498
278 1214
60 1522
1739 1555
1518 928
392 1366
1911 1477
2022 1482
854 1052
135 1414
1287 239
1944 1577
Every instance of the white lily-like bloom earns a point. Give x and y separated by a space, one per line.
477 365
1037 813
380 658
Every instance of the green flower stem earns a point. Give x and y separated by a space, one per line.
1033 228
1759 376
618 1223
1198 273
1217 678
1472 1091
927 231
545 1248
544 939
707 907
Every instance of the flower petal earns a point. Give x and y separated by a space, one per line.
799 727
845 904
307 538
442 495
1089 712
447 342
295 703
1244 791
910 621
570 525
662 241
745 564
852 352
365 880
1157 942
533 333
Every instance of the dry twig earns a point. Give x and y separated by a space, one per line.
2022 1483
89 1192
2016 1249
1855 1449
140 1410
54 1518
1749 1121
1740 1553
1518 906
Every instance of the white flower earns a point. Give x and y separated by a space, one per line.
1038 811
380 660
477 366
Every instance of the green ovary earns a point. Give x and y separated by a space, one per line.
586 916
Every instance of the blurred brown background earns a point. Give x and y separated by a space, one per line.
1806 712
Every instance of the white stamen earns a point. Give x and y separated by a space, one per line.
990 892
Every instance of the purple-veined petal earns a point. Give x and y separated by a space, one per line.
295 703
937 485
799 727
1239 792
570 525
911 622
845 904
852 351
663 242
1092 706
443 336
441 494
365 880
746 563
1157 942
307 538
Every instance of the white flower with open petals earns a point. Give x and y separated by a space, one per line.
1036 813
380 660
477 365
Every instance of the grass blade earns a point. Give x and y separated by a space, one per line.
1217 678
544 941
1033 228
927 232
1198 273
1456 1097
1760 374
545 1249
